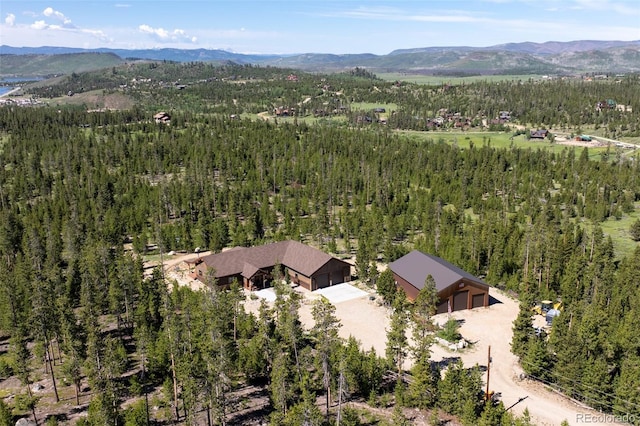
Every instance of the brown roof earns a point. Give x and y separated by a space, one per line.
415 266
247 261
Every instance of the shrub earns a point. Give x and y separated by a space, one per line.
450 332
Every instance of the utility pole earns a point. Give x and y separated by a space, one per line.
486 394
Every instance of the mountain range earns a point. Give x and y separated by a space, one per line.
511 58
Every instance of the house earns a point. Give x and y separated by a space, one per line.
162 117
608 104
457 289
253 266
504 115
539 134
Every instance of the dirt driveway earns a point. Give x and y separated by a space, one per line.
492 327
366 320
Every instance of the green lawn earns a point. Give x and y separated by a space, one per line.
618 230
496 140
369 106
437 80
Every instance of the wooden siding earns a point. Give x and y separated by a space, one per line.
334 271
408 288
471 292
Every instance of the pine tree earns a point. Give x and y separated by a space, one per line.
325 331
634 230
397 342
386 286
523 330
536 361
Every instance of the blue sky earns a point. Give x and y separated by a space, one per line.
312 26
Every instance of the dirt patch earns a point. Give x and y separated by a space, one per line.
97 100
368 320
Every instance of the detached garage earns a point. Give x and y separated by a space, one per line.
457 289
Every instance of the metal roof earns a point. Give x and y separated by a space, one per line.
415 266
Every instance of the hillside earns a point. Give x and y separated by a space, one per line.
98 188
513 58
65 63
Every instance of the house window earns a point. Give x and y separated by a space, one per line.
200 272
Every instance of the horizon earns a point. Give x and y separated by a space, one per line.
103 48
332 27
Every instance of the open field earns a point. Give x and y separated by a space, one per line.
367 106
437 80
618 230
95 99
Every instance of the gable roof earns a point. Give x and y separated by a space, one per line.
415 266
247 261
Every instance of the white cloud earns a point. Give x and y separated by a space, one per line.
177 35
10 20
51 13
39 25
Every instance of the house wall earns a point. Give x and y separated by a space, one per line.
472 289
408 288
448 294
299 279
336 271
200 272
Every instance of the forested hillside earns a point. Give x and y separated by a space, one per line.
77 187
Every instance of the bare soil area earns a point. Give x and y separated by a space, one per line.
368 320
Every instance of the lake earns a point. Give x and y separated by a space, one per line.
5 89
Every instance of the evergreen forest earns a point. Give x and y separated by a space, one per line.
88 194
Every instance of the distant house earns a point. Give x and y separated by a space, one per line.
539 134
253 266
583 138
162 117
608 104
457 289
283 112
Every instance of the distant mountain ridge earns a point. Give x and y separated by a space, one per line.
528 57
546 48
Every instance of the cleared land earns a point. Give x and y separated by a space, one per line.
363 317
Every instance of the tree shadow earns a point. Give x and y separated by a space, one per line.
250 408
445 362
4 344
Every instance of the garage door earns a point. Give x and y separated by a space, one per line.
443 306
477 301
337 277
322 281
460 300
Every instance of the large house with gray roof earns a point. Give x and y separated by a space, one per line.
457 289
253 266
